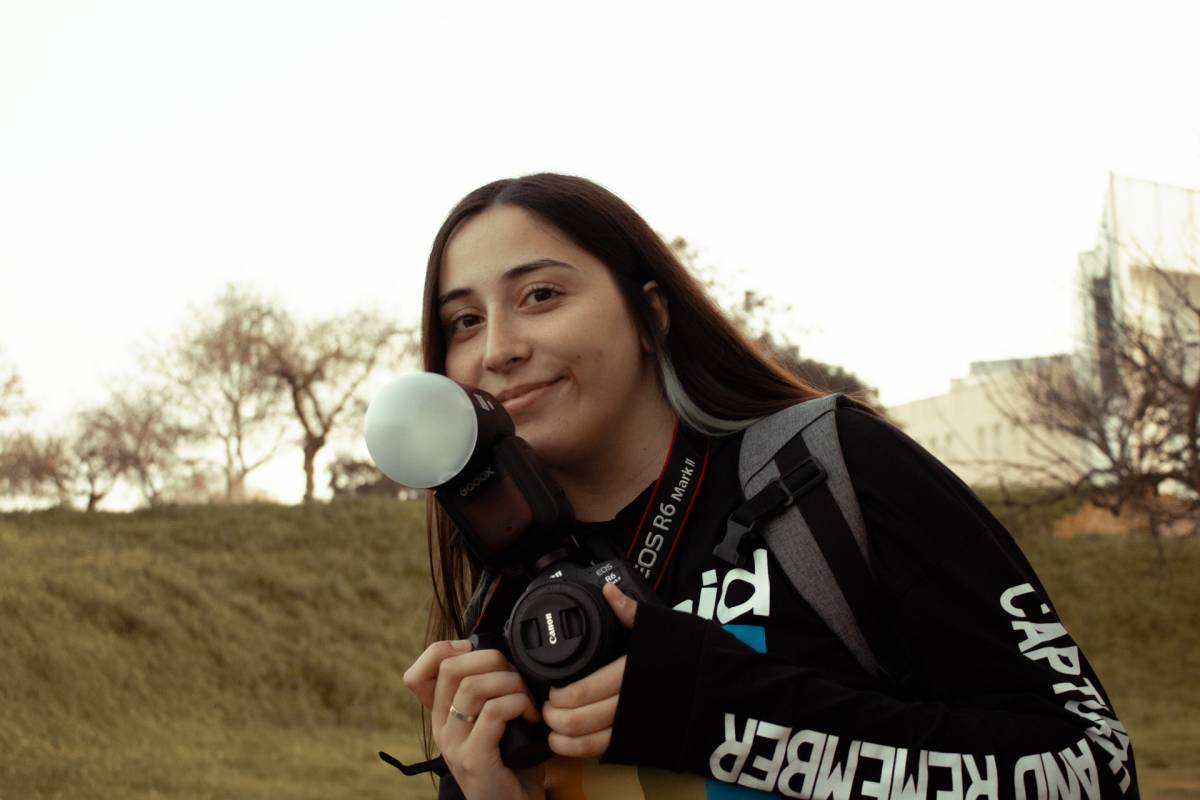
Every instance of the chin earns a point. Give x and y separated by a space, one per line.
548 448
534 434
554 448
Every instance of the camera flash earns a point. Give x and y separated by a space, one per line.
421 429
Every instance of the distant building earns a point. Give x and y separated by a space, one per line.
1143 225
966 430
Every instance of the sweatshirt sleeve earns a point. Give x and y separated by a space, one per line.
1002 703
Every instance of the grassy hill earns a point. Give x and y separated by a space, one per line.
210 652
256 652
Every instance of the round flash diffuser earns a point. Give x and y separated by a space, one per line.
421 430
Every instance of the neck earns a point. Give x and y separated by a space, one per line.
630 461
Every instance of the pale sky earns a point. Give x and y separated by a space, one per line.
914 179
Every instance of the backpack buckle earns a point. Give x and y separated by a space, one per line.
730 548
800 479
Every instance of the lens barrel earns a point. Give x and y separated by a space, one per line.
560 631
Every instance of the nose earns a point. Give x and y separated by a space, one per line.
506 345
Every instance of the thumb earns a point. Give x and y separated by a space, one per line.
624 606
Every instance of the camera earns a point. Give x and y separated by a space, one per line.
426 431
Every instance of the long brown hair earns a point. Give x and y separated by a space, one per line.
728 379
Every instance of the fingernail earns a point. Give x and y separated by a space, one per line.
461 644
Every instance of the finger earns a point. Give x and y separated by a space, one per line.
421 677
624 606
604 682
451 672
575 722
589 746
495 714
475 690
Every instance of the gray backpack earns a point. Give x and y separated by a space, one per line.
801 502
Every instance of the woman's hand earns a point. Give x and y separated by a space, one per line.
581 714
471 696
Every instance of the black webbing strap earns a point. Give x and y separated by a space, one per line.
803 481
799 473
829 527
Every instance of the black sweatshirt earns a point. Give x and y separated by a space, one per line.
736 680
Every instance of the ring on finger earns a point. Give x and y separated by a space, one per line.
454 712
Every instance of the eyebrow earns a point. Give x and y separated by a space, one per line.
510 274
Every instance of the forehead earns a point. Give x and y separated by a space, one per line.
501 237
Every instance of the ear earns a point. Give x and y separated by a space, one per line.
658 302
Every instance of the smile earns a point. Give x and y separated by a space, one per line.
520 398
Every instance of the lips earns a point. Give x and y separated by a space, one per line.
519 397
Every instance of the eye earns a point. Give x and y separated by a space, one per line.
540 294
462 323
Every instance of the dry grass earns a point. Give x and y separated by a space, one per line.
255 652
209 652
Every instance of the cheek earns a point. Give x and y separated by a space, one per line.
612 342
609 366
589 357
593 354
458 368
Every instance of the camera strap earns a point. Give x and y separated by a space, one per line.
662 522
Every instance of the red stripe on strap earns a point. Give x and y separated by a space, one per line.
637 532
686 514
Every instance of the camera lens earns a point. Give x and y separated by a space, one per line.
556 631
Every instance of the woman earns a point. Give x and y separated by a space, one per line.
553 295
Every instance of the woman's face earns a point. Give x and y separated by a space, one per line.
538 322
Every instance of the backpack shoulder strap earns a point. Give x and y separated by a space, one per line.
801 499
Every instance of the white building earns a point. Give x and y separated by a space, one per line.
1146 259
1143 226
966 429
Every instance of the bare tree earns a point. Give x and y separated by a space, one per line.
84 465
227 393
322 366
91 462
21 458
147 440
1119 421
12 394
13 444
81 463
